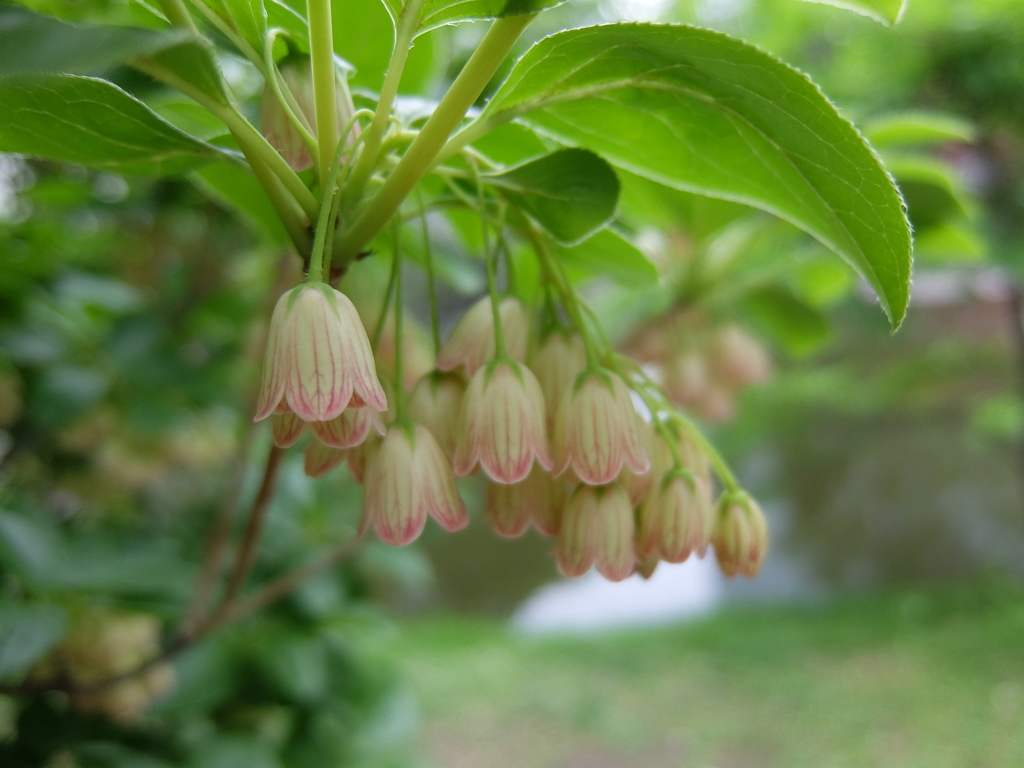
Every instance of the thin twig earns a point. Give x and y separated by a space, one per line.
240 609
281 586
253 529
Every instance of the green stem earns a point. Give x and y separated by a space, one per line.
328 211
285 97
231 33
378 127
421 153
428 254
288 211
556 278
490 257
321 47
717 462
399 330
378 330
260 147
178 15
263 159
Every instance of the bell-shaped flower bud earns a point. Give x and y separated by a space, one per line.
597 527
417 353
349 429
538 498
277 126
646 564
677 518
502 424
408 479
559 359
436 403
360 456
717 404
597 430
472 341
319 459
287 428
638 485
736 358
740 535
318 358
686 378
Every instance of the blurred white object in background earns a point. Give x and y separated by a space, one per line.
591 604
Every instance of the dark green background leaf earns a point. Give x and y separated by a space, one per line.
909 128
27 632
438 12
571 193
790 322
93 123
610 254
30 42
700 111
886 11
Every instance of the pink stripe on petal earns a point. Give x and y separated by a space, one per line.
319 459
287 428
272 381
345 431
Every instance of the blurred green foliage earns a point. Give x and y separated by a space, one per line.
129 327
929 678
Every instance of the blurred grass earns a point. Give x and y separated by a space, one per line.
923 679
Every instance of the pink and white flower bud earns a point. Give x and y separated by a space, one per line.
287 428
638 485
417 352
407 479
717 404
538 498
557 362
597 527
597 430
360 456
472 341
318 358
686 378
436 403
349 429
740 536
319 459
276 125
502 424
736 358
677 518
646 564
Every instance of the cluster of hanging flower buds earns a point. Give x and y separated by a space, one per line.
553 425
701 365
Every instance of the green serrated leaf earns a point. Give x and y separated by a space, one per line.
699 111
917 128
571 193
436 13
282 15
27 632
188 65
30 42
249 17
887 12
93 123
611 254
